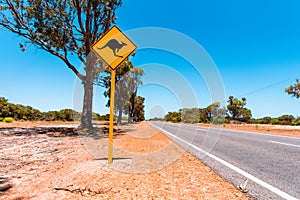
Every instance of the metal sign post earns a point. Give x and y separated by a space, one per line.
113 47
111 115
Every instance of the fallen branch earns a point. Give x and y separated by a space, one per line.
84 192
3 179
3 188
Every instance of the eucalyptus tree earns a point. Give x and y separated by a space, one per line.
294 89
237 111
65 29
128 79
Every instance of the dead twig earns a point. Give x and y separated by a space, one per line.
3 179
84 192
5 187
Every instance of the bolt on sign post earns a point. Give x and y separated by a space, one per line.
113 47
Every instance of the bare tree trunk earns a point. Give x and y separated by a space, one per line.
86 118
129 114
131 107
120 117
88 83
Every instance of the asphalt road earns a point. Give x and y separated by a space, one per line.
270 163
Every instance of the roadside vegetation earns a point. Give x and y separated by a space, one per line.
10 112
234 112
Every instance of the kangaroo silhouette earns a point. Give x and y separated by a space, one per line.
115 46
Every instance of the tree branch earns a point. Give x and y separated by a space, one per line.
79 17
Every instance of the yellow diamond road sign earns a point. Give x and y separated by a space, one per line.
114 47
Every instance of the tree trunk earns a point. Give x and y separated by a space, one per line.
129 114
120 117
86 117
88 83
119 99
131 108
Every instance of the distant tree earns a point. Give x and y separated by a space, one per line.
264 120
3 104
5 108
294 90
132 83
63 28
128 79
105 79
237 110
17 111
215 113
32 114
28 113
121 90
274 121
203 118
103 117
286 119
139 112
296 121
66 115
51 116
190 115
173 117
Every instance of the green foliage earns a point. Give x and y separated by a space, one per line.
203 118
61 27
212 114
8 119
218 120
237 111
128 79
286 119
294 89
215 113
282 120
138 113
66 115
190 115
103 117
264 120
174 117
274 121
296 122
27 113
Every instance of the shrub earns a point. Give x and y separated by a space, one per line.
218 120
175 120
8 119
1 119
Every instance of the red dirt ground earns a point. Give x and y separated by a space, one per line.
44 167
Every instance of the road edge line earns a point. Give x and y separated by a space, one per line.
287 144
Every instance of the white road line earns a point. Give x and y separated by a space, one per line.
238 170
201 129
293 145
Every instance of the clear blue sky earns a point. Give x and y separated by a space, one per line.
254 44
